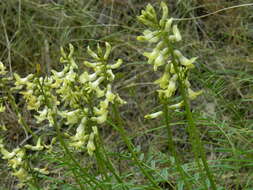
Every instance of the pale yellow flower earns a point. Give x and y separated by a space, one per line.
168 25
177 106
91 146
154 115
42 170
117 64
92 53
176 37
21 174
193 95
107 51
184 61
38 146
2 108
2 69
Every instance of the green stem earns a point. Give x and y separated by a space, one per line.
107 162
67 151
130 146
192 128
64 145
172 147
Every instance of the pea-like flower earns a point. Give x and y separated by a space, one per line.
38 146
91 146
164 54
154 115
183 60
2 69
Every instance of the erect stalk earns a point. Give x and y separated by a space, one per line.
65 147
129 144
172 147
107 162
196 142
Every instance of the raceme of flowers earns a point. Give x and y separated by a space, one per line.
79 100
165 35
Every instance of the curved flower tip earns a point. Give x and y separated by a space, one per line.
2 108
71 51
101 118
177 106
168 24
95 130
165 10
163 81
91 146
184 61
117 64
159 61
176 37
151 56
42 170
38 146
2 69
153 115
21 174
193 95
92 53
22 81
63 54
108 50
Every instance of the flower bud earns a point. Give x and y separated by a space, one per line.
117 64
22 81
184 61
42 171
91 146
80 131
168 24
6 154
2 108
109 95
38 146
163 81
176 106
2 69
92 53
164 15
102 118
95 85
21 174
151 56
71 51
193 95
99 50
110 75
95 130
108 50
153 115
159 61
176 37
90 65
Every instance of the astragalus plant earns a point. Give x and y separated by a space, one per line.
72 105
71 102
164 36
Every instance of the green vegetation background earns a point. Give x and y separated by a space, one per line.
32 32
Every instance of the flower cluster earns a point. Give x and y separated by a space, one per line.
79 99
16 160
165 35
